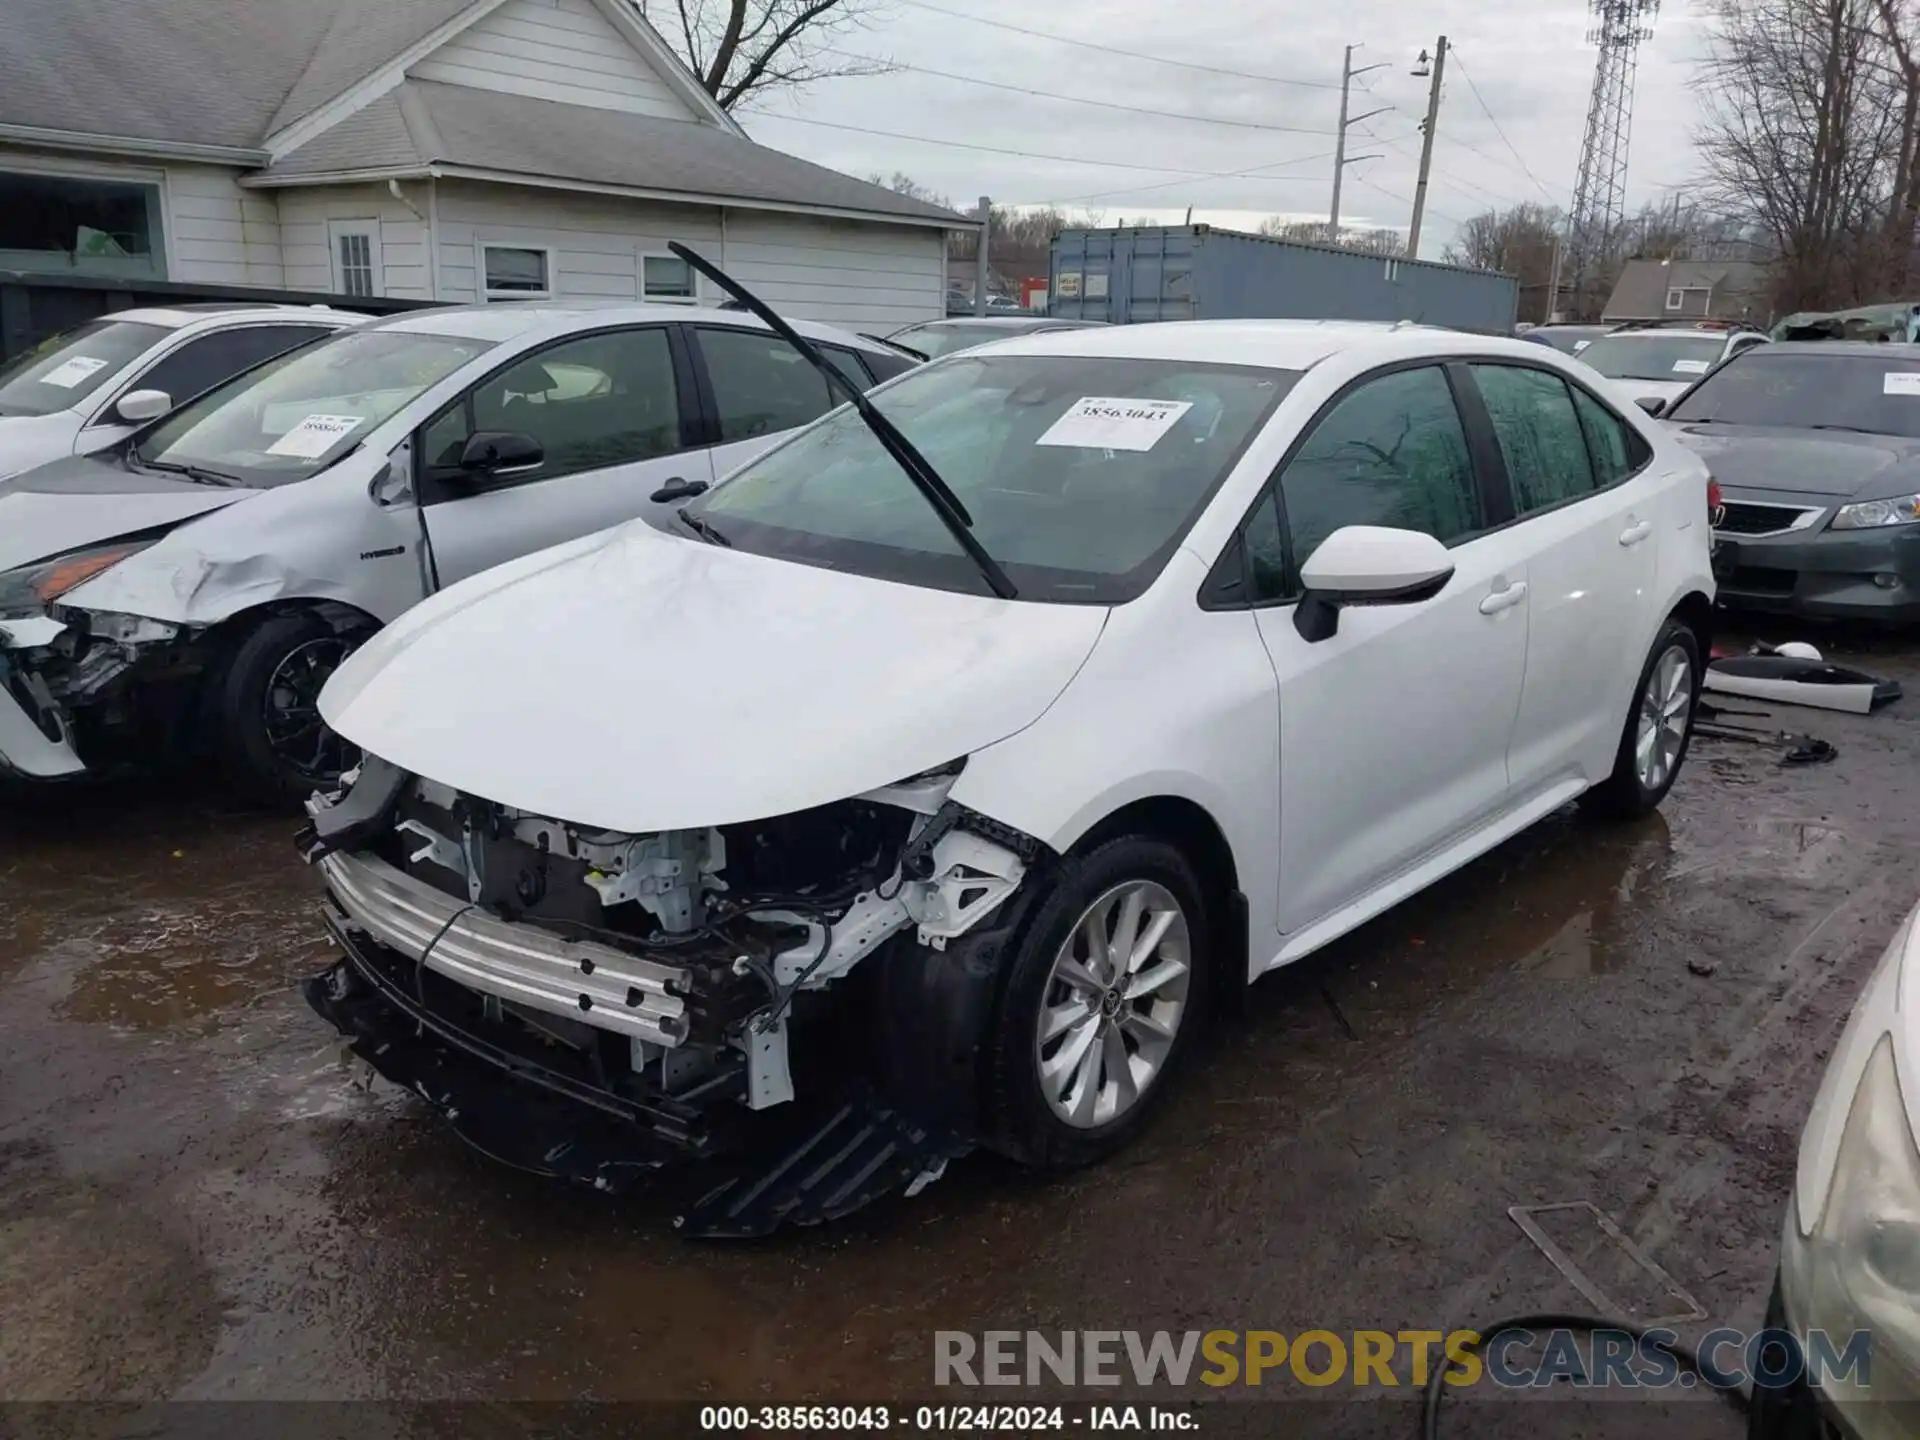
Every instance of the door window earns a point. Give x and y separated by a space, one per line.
1616 448
761 384
1540 435
1393 453
208 360
601 400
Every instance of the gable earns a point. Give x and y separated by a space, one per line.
563 50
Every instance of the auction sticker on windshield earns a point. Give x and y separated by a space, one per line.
1689 367
1901 382
314 436
1101 422
70 373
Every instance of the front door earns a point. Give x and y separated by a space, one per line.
1393 732
1588 507
611 414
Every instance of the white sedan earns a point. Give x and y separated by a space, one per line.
963 775
88 388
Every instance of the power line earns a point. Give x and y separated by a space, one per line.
1113 50
1401 199
1018 154
1485 110
1082 100
1251 173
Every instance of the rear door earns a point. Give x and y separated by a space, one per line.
1588 510
613 413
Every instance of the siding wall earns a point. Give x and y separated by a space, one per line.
563 50
304 215
219 233
842 272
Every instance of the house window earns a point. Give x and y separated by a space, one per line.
356 257
1675 299
516 272
76 225
1697 298
667 278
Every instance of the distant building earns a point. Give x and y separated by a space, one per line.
1689 290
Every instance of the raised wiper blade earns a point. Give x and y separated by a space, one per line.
1850 429
926 479
906 350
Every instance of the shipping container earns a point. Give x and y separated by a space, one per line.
1195 272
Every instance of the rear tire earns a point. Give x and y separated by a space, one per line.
1080 1052
273 748
1659 728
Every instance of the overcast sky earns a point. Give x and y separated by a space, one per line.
1528 59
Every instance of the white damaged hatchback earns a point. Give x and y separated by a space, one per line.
923 785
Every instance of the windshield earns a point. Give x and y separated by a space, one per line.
1654 357
295 416
935 339
1081 474
1805 388
64 370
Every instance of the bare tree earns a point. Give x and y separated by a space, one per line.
1808 135
1317 232
744 48
903 184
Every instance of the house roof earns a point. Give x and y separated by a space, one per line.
1641 293
195 72
423 124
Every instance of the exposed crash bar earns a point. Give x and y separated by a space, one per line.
581 980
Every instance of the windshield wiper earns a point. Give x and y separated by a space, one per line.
926 479
705 529
1850 429
198 473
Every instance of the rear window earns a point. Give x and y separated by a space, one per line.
64 370
1684 358
1809 389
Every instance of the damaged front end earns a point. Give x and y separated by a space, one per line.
706 1005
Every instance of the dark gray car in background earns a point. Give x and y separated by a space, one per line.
1816 447
935 338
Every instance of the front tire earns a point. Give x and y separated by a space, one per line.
1659 728
274 748
1104 999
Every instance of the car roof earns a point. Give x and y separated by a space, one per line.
1004 322
210 315
1687 332
1278 344
546 319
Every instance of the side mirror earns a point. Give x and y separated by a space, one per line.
501 452
136 407
1653 405
1367 565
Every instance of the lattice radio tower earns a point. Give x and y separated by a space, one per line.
1600 194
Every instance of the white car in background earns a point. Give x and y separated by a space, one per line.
192 587
90 387
1659 362
918 786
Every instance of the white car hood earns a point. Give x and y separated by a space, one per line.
81 501
636 682
30 440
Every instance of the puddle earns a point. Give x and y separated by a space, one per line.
1804 851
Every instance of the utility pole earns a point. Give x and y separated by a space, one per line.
1340 160
1426 148
1553 285
980 258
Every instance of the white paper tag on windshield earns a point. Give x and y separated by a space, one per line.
1100 422
69 373
314 436
1690 367
1901 382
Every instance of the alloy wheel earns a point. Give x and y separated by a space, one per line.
1666 706
1113 1003
295 733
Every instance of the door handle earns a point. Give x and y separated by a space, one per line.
1504 599
1634 534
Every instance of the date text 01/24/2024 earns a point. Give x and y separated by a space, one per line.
1018 1419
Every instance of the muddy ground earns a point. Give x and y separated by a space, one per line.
198 1202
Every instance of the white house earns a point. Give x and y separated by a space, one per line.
456 150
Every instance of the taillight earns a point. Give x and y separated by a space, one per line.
1714 499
